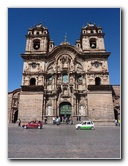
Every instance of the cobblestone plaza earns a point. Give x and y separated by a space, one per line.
64 142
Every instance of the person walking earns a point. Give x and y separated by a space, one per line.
62 118
54 121
67 120
19 122
58 121
71 120
45 119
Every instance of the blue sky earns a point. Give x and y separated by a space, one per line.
60 21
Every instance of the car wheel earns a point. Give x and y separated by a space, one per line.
25 127
78 128
39 127
93 128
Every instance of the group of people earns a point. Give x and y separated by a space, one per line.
56 120
67 120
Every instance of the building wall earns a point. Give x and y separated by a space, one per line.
55 76
30 106
116 101
9 106
100 107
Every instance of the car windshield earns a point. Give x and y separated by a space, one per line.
87 123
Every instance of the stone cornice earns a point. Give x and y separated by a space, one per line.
65 49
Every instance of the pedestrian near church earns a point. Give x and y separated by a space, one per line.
71 120
62 118
45 119
19 122
54 120
58 121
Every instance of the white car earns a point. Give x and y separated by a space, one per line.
85 125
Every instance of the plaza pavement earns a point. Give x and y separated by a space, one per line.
64 142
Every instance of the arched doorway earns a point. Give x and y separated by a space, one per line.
15 118
32 81
65 110
97 81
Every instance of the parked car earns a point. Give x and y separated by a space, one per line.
85 125
33 125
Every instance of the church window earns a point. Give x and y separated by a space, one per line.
49 80
33 65
96 64
65 78
32 81
84 31
45 32
79 78
97 81
100 31
93 43
36 44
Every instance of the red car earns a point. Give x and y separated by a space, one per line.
33 125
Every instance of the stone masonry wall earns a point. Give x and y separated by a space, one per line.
100 107
9 106
30 106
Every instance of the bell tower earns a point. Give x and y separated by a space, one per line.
37 40
92 38
37 48
91 44
38 45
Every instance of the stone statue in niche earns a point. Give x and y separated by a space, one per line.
71 65
40 80
59 79
49 110
71 79
65 61
54 67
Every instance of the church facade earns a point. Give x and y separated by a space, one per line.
65 80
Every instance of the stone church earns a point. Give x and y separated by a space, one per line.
65 80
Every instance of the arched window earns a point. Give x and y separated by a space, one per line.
65 78
33 65
32 81
97 81
79 78
36 44
93 43
49 79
